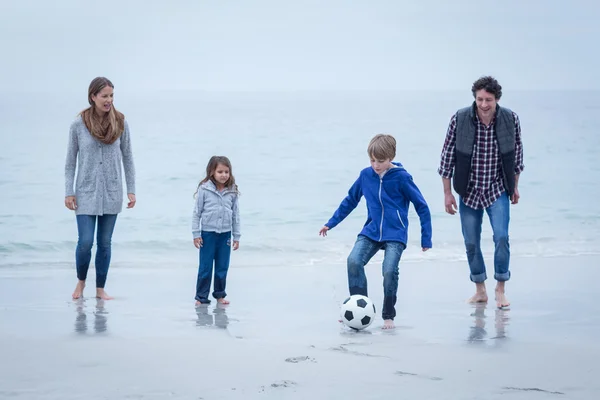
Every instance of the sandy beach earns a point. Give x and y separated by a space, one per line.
280 339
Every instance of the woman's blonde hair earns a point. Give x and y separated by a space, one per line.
109 128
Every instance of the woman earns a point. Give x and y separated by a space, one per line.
99 141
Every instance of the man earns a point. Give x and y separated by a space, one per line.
483 153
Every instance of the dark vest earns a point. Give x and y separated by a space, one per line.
466 128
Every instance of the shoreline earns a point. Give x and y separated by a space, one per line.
184 263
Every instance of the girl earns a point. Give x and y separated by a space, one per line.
99 142
216 219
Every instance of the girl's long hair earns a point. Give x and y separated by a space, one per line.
211 167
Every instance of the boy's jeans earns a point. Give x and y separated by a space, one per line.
216 247
364 249
471 220
86 225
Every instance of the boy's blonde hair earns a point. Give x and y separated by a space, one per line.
382 147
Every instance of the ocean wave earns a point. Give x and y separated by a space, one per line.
286 254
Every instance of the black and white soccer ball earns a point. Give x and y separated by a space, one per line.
358 312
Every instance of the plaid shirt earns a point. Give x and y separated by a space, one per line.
485 180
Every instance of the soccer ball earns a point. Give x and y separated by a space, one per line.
357 312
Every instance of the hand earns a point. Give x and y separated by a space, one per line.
323 231
425 248
514 199
236 244
198 242
131 198
450 203
71 203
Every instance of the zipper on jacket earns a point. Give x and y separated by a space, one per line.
400 218
381 224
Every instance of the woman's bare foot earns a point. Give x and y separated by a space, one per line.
388 324
480 295
101 294
222 300
501 300
79 290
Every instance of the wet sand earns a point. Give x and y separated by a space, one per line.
279 339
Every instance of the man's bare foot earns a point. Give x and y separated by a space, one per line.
222 300
388 324
480 295
501 300
197 303
78 290
101 294
479 298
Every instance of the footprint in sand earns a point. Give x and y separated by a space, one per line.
296 360
342 349
280 384
431 378
531 390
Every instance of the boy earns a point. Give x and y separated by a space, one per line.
388 190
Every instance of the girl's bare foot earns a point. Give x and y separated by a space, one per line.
501 300
388 324
222 300
78 290
101 294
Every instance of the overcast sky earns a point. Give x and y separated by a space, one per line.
298 45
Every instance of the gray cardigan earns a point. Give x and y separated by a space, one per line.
216 211
99 186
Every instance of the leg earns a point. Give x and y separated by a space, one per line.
364 249
222 256
499 214
86 224
391 259
205 269
471 220
106 227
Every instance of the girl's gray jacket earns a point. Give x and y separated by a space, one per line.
216 211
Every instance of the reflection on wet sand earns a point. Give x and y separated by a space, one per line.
100 317
217 316
478 332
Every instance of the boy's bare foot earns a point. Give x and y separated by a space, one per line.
101 294
78 290
388 324
222 300
480 295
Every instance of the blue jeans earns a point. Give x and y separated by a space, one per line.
216 248
471 221
364 249
86 224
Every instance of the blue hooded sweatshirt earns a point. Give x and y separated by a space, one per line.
388 200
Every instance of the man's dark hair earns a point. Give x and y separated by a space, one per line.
489 84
